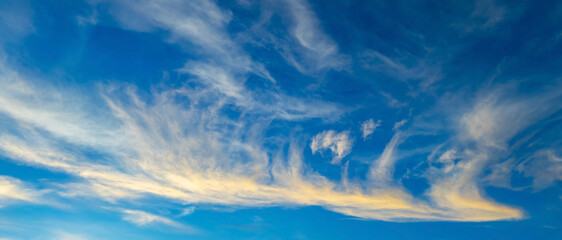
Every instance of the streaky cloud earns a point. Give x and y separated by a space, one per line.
318 50
145 219
180 144
196 154
13 190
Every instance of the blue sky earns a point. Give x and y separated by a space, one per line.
288 119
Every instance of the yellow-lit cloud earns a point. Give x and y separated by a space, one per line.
186 155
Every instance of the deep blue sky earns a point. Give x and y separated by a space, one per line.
289 119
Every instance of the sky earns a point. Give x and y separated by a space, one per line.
280 119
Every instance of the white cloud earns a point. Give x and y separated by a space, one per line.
484 137
544 166
142 218
198 25
187 211
222 64
306 46
455 188
426 71
96 189
318 50
69 236
90 19
496 117
398 125
490 11
195 154
190 151
339 143
393 102
14 190
381 170
368 127
145 219
485 15
163 148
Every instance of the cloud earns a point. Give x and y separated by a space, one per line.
183 144
222 65
399 124
301 41
368 127
490 11
544 166
496 117
405 67
69 236
164 149
142 218
87 20
318 51
190 151
187 211
484 136
485 15
14 190
339 143
200 26
95 189
381 169
145 219
455 187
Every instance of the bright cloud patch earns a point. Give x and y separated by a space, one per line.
368 127
13 190
339 143
143 218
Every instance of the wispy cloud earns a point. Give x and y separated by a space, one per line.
485 15
483 137
145 219
399 124
89 19
14 190
307 47
339 143
381 169
544 166
69 236
222 65
424 70
180 144
318 51
187 211
166 150
368 127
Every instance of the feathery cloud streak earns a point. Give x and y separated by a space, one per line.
164 149
13 190
185 145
